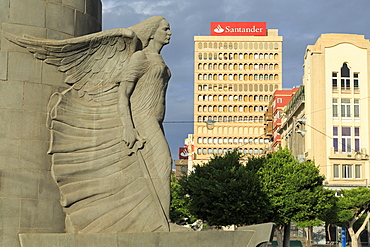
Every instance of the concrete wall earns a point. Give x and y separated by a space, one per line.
29 199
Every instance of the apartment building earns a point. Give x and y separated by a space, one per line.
274 114
331 111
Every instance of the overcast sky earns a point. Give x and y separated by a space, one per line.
300 22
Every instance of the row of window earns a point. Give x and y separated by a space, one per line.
240 66
239 45
346 83
347 171
246 98
238 77
347 80
236 56
238 87
346 108
229 119
230 108
204 151
254 129
230 140
346 138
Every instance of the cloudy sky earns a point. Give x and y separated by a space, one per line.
300 22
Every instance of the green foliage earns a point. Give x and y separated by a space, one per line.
349 207
294 189
274 188
179 207
225 192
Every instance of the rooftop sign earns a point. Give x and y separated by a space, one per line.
238 28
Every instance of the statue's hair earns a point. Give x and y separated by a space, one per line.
146 29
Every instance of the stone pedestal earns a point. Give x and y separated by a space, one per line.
29 199
250 236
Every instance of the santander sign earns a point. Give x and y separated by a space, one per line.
238 28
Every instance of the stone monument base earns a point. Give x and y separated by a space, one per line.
250 236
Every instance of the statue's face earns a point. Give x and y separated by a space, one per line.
163 33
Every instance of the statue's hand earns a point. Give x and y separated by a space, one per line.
131 136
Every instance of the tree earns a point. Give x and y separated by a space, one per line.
224 192
294 189
348 209
179 207
317 201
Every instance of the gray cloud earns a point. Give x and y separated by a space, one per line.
300 22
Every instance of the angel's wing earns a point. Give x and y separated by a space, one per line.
86 60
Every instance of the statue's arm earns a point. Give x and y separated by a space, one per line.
127 83
129 134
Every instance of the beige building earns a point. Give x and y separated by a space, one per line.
234 78
335 112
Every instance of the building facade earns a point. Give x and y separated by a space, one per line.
332 110
234 79
273 116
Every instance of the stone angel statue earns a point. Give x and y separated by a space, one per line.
110 158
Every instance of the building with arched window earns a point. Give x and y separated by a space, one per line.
242 74
333 128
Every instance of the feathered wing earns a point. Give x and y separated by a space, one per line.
88 60
101 183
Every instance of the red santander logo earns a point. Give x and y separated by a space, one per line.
238 28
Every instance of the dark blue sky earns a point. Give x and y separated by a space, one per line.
300 22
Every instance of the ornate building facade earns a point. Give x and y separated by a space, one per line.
331 111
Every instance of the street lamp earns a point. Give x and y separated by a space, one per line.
301 132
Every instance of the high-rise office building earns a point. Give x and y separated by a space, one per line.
236 70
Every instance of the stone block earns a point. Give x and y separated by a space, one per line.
31 125
55 221
51 75
2 123
79 5
248 238
30 12
10 208
44 131
86 24
51 34
36 97
19 30
47 187
51 240
36 213
13 124
19 183
11 95
4 10
3 65
9 237
259 233
33 155
170 239
59 17
138 239
58 218
94 8
9 153
103 240
24 67
218 238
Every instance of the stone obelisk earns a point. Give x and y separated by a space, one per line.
29 199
